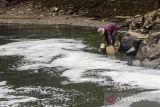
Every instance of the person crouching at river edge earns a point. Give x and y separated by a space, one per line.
108 32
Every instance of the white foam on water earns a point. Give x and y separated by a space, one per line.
3 89
9 99
140 78
41 53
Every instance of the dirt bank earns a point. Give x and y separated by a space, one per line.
69 20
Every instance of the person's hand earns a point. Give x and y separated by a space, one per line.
110 43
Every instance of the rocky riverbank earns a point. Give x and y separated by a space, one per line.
90 8
149 51
143 39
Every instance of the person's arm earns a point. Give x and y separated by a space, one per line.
115 32
104 39
109 37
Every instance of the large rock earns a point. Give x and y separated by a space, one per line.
152 16
152 22
136 22
148 23
136 63
149 51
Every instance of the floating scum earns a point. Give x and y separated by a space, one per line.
68 53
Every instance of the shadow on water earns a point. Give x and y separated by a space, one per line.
46 83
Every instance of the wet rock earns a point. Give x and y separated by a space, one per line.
151 64
147 63
156 63
158 66
150 47
142 52
149 51
136 63
136 22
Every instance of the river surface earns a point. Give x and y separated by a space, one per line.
58 66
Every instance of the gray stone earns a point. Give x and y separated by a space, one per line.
147 63
149 51
136 63
151 64
158 67
136 22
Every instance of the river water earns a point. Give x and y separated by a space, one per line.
58 66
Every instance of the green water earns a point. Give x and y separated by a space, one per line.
60 90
